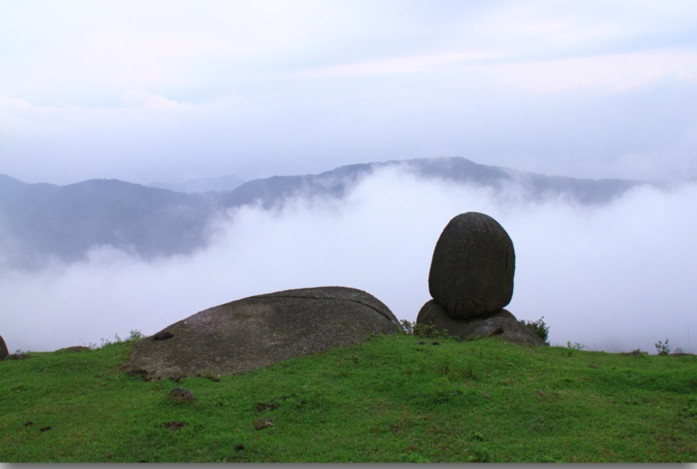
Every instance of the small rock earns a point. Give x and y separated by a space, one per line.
261 424
180 394
45 429
239 447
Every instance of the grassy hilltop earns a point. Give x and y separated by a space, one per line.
396 398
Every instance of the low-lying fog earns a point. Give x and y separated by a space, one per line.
615 277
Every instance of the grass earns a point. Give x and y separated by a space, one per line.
394 398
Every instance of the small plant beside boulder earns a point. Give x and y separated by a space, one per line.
539 328
424 330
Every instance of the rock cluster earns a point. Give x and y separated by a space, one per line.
471 281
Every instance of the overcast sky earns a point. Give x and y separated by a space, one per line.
173 90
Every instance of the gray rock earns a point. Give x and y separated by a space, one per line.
4 353
498 324
472 267
180 394
262 330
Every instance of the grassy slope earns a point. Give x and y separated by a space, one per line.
391 399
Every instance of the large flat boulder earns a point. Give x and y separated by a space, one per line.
260 331
498 324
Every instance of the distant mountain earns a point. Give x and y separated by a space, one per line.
458 170
41 221
222 183
275 190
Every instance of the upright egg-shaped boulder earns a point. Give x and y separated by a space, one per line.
472 267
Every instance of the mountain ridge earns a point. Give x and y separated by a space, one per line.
39 221
212 184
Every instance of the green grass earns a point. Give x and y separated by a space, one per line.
392 399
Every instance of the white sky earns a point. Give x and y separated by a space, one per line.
173 90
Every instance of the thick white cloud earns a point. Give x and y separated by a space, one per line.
614 277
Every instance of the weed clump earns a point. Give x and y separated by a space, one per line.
133 335
424 331
540 328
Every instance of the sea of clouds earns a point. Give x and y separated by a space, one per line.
611 277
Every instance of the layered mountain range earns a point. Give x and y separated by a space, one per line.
40 222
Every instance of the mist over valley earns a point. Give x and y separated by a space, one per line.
610 264
45 221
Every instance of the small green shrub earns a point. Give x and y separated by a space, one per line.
539 327
430 331
426 331
133 335
575 345
407 326
662 347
